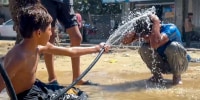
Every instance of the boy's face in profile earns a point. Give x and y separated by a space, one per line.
45 35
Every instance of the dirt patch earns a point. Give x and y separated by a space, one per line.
122 75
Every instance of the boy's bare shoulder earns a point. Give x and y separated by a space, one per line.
15 55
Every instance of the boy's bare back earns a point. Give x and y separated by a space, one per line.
23 64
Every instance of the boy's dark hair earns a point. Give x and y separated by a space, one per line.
143 25
32 18
15 6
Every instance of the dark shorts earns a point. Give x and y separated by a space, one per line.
62 11
42 91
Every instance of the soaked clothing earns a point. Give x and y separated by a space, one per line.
169 58
42 91
174 62
62 10
172 33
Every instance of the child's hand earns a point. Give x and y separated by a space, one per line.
104 45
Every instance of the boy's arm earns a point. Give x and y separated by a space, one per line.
155 36
72 51
164 39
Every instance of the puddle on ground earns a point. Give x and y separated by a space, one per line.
127 85
130 86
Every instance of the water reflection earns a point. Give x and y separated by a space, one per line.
141 90
131 85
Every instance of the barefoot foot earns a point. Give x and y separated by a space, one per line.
156 79
177 80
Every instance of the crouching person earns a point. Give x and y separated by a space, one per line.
162 51
22 60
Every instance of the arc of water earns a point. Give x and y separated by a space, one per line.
128 25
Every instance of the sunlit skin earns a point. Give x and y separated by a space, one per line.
22 60
154 38
129 38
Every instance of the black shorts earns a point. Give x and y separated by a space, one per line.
42 91
62 10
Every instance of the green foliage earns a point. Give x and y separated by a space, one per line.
96 7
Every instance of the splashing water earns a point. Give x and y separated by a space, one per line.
155 69
140 23
137 21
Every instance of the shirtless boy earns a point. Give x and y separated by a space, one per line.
22 60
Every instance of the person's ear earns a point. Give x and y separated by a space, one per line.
38 33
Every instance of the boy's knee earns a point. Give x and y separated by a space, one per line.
141 51
144 50
174 48
75 40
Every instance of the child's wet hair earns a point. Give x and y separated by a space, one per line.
32 18
143 25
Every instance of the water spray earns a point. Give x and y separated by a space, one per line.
138 22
